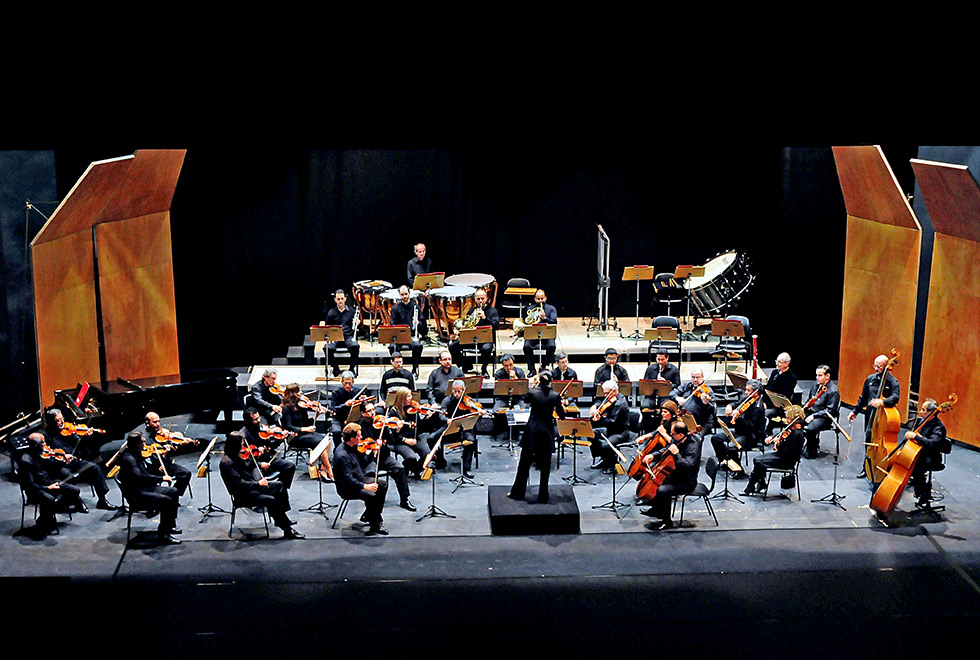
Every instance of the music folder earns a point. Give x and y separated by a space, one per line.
631 273
649 387
778 399
394 334
660 334
426 281
726 328
510 387
329 333
482 334
684 272
471 384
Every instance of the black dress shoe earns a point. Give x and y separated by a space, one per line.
408 506
175 530
81 508
664 524
291 522
862 475
516 497
468 474
105 505
290 533
376 530
166 539
648 512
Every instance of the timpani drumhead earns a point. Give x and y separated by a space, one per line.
477 281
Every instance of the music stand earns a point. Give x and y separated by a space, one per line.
481 334
520 291
471 384
684 274
660 335
540 332
327 334
778 399
509 387
458 425
637 273
433 511
727 494
394 334
425 282
614 504
571 390
320 507
833 497
204 465
625 387
725 329
653 387
354 413
573 429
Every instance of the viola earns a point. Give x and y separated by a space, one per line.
745 405
604 406
368 444
785 433
79 429
413 408
277 389
306 402
154 448
48 453
392 422
703 392
174 438
252 451
468 404
274 432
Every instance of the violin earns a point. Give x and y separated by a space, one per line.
413 408
469 404
306 402
785 433
274 432
703 392
393 422
277 389
745 405
251 451
154 448
605 405
174 439
368 444
79 429
48 453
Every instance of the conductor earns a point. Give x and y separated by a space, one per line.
538 441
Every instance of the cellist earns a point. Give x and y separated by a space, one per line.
932 438
876 395
685 448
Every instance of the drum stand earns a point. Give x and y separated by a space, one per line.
833 497
209 509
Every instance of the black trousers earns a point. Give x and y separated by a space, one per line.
537 451
351 345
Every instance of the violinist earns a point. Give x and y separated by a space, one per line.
610 425
662 369
395 377
163 463
356 479
384 428
403 438
441 377
40 485
57 437
869 401
782 381
789 448
485 315
299 415
340 404
345 317
249 488
149 490
932 438
457 404
548 315
538 440
611 370
683 479
252 432
695 397
266 397
823 404
749 427
406 312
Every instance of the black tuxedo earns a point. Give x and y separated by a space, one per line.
243 485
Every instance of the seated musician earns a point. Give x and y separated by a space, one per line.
299 416
869 401
662 369
406 312
397 376
252 433
932 438
695 397
42 487
345 317
562 371
610 425
340 402
403 439
149 490
782 381
504 402
390 439
455 405
440 378
248 487
265 396
787 454
180 476
356 478
667 415
826 404
749 428
683 479
550 316
57 437
611 370
429 426
486 315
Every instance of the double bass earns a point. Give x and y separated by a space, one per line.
884 429
900 463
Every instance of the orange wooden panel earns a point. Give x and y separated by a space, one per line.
881 267
64 307
952 334
138 305
148 186
870 188
952 197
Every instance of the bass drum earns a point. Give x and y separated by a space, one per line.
389 299
449 304
726 278
477 281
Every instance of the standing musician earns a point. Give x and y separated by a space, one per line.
932 438
39 484
146 490
749 427
248 487
440 378
683 479
455 405
395 377
548 315
538 441
58 437
662 369
164 463
484 315
789 447
252 433
406 312
356 478
610 425
343 316
782 380
389 438
822 404
696 398
419 264
890 394
610 370
299 415
266 397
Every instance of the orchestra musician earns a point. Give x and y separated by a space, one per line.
453 406
538 440
356 478
788 451
343 316
562 371
440 378
662 369
683 479
147 490
782 381
299 417
486 315
826 404
610 425
164 464
266 397
407 312
611 370
749 428
248 487
397 376
403 440
932 438
392 438
502 402
55 438
890 395
548 315
40 485
696 398
420 264
340 402
252 435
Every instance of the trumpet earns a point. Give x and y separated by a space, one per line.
534 315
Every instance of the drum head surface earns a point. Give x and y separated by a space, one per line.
477 280
393 295
453 292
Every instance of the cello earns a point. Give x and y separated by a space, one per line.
885 426
900 463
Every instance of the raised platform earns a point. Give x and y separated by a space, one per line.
526 517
